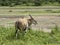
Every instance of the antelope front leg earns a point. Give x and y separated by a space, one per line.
16 32
29 28
26 28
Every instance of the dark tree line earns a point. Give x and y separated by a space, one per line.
26 2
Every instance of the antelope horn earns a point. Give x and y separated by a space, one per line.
30 16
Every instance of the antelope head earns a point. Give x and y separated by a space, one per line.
32 20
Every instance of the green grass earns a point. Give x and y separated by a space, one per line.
34 10
18 6
27 12
30 38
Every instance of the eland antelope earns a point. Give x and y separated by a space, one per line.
23 24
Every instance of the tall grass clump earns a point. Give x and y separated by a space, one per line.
7 37
56 33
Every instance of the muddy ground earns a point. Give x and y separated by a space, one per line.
45 23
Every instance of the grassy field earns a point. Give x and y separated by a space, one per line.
30 38
24 10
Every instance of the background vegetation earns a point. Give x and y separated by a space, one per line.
29 2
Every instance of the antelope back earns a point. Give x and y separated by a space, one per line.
23 21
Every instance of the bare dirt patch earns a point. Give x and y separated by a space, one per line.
45 23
